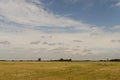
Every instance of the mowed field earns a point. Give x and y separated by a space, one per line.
59 71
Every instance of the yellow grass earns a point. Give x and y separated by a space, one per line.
59 71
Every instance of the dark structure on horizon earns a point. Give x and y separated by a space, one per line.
39 59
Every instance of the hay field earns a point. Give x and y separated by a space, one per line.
59 71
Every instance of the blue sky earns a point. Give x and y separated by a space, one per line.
96 12
51 29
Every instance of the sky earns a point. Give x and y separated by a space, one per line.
53 29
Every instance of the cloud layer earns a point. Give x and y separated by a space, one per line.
28 30
30 14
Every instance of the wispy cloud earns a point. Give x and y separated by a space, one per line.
117 4
5 42
35 42
25 25
29 13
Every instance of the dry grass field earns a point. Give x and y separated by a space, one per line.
59 71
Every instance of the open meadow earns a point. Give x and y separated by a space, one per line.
59 71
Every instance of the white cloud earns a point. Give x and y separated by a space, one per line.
116 27
20 37
63 40
117 4
58 44
28 13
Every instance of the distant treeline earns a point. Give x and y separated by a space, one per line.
61 59
111 60
117 60
64 60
